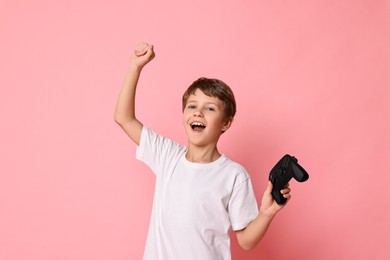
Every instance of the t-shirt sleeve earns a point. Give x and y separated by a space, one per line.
156 151
242 205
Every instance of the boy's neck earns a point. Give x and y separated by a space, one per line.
202 155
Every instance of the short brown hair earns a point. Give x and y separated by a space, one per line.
213 88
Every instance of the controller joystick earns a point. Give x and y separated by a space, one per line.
281 174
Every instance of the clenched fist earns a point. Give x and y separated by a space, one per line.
143 53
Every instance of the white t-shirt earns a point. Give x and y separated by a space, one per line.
195 205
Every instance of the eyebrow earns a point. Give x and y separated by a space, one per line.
207 103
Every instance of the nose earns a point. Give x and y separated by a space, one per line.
198 112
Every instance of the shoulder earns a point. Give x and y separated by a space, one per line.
227 162
160 147
236 169
150 136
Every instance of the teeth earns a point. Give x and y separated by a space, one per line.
197 124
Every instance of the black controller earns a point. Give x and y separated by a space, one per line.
281 174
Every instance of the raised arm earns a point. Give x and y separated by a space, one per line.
249 237
125 109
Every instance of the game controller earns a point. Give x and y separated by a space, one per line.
281 174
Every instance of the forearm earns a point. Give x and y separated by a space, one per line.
249 237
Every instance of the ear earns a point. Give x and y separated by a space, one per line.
227 124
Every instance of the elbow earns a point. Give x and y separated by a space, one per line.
118 119
245 242
247 246
123 119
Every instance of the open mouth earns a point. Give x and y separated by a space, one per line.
197 126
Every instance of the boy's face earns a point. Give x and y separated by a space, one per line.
203 119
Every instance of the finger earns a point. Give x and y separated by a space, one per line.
285 191
268 190
148 52
138 49
141 49
140 52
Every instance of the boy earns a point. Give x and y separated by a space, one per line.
200 194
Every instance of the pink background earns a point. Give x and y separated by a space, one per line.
311 78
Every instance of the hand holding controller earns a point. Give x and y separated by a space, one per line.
281 174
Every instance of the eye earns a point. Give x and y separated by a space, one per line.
211 109
191 106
